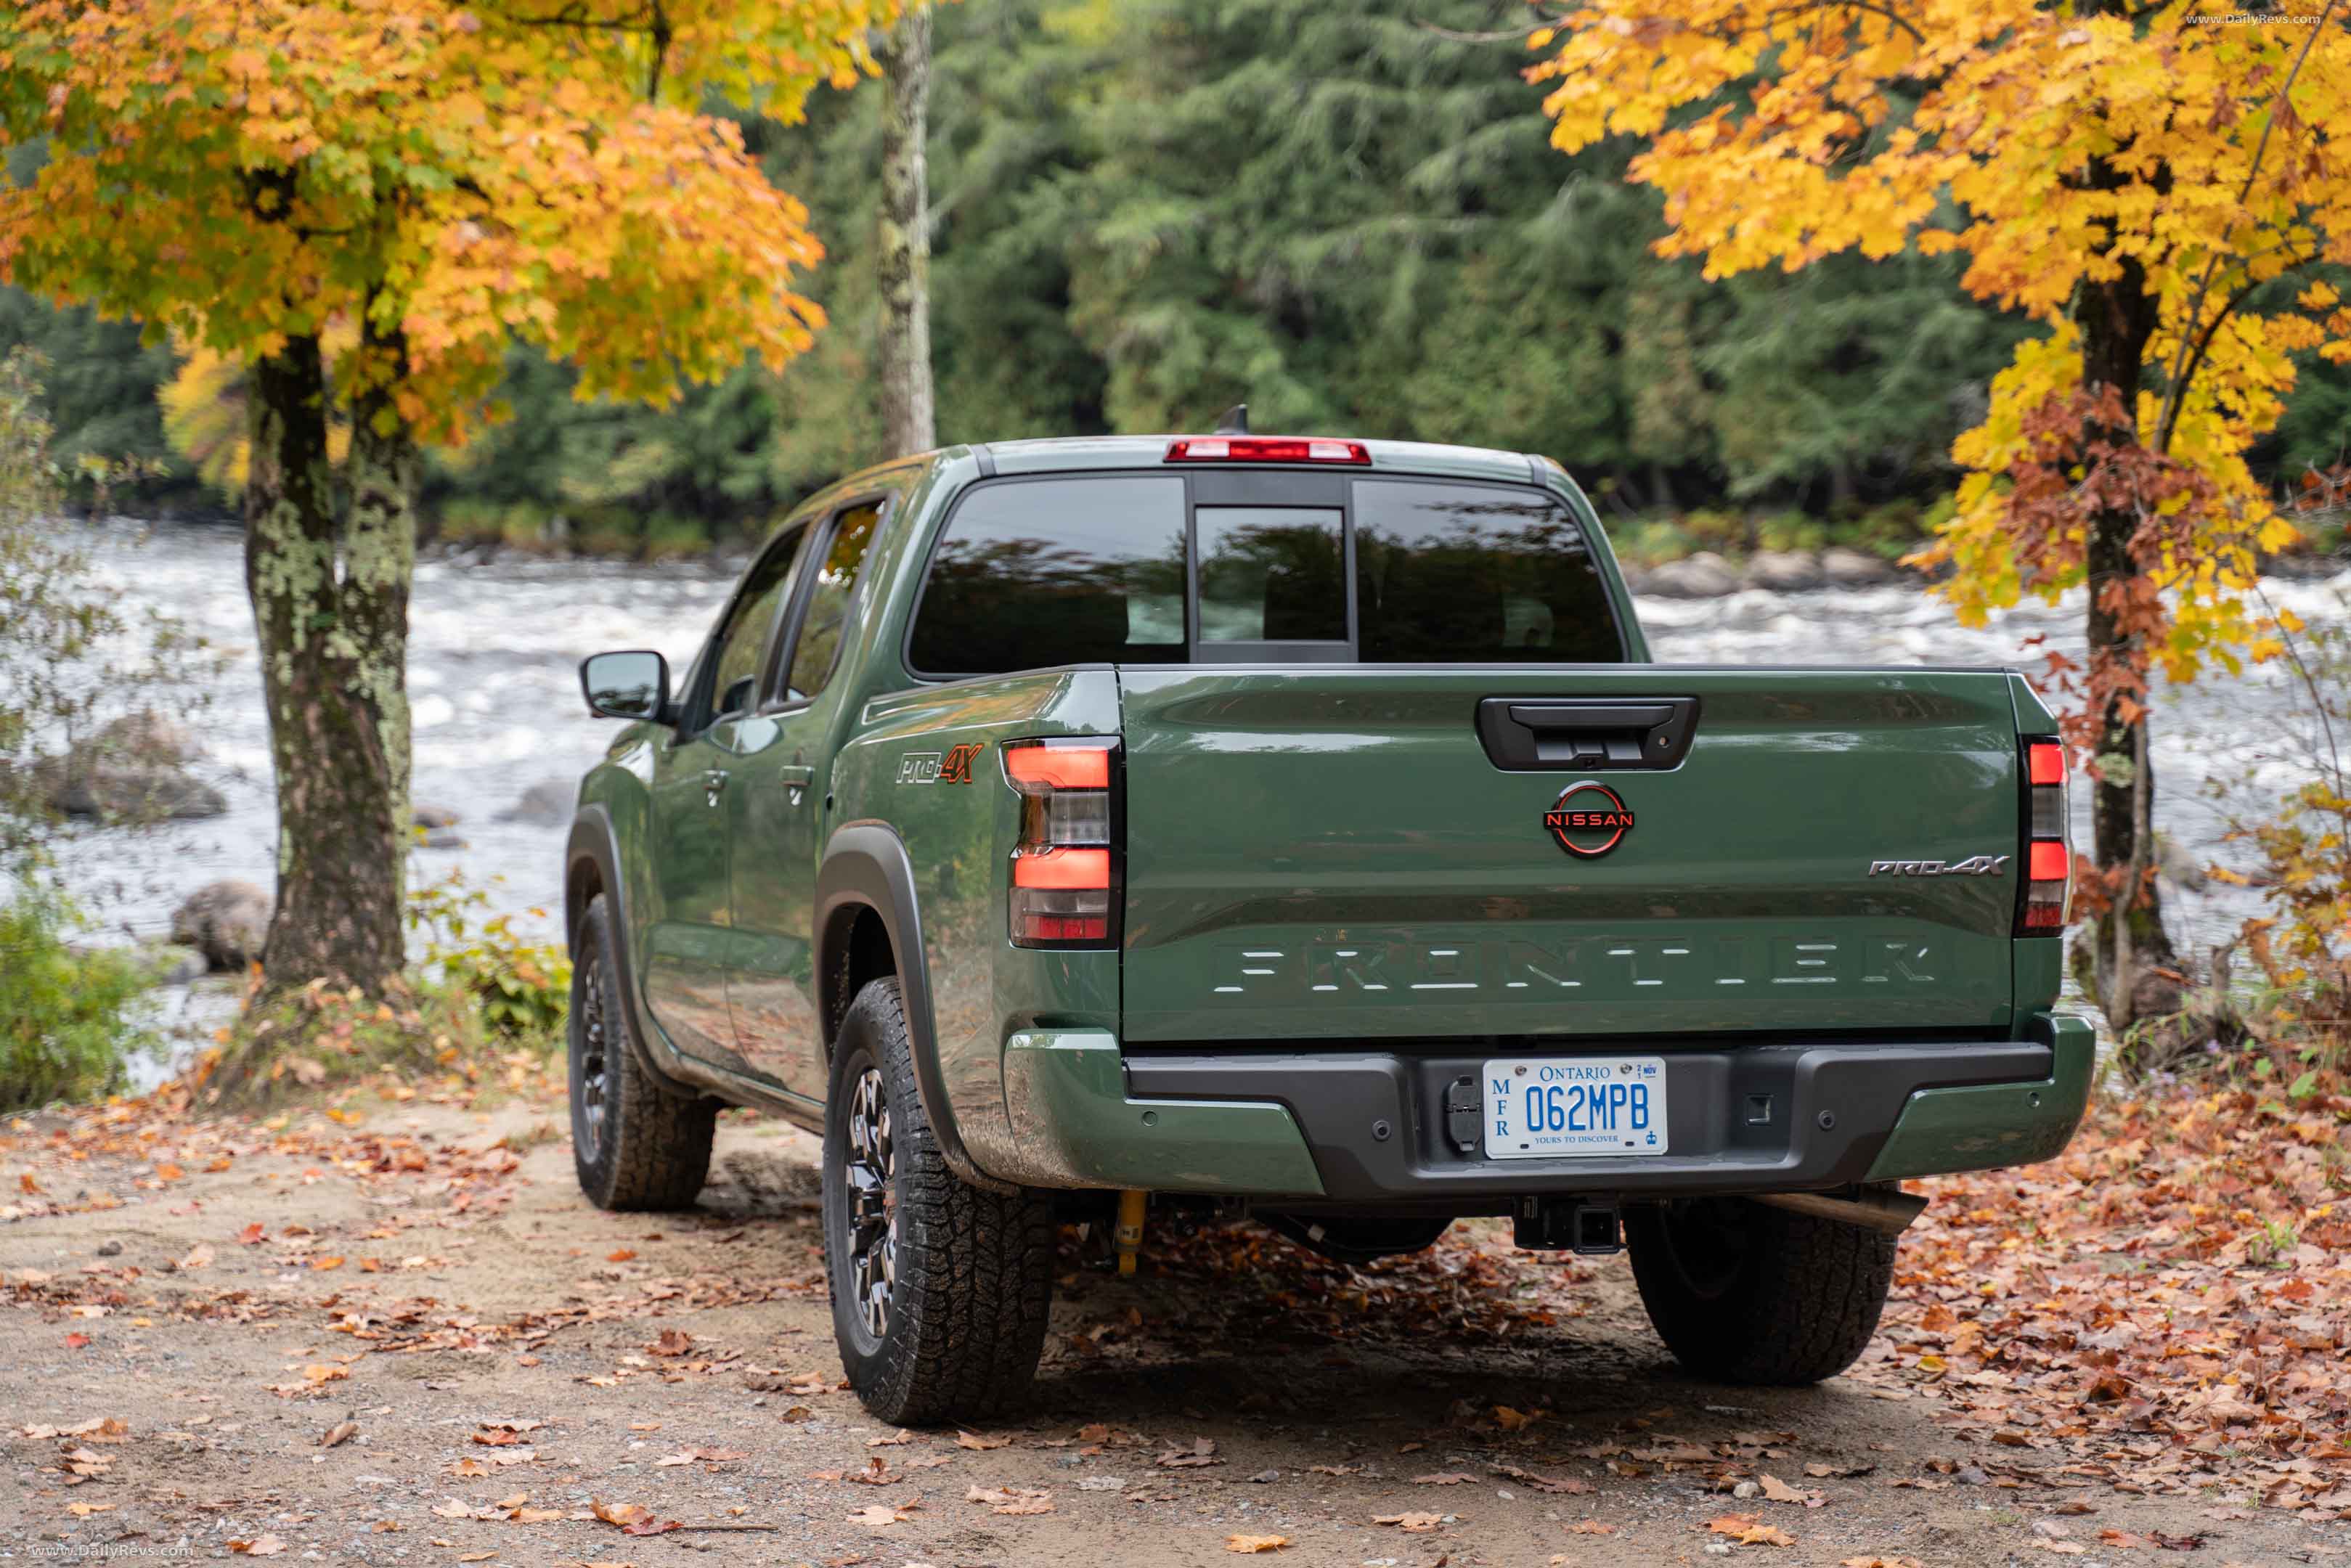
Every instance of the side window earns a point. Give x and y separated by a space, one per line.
750 621
1036 572
827 617
1462 574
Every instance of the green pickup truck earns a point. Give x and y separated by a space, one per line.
1298 827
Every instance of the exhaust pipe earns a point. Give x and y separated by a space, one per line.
1885 1209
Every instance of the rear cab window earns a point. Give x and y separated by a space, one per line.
1261 567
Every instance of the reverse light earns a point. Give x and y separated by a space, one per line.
2048 849
1065 875
1266 449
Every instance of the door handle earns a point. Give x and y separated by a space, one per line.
1535 735
796 780
714 784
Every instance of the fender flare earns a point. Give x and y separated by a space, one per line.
865 866
594 844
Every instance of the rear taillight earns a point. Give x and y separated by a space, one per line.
2048 848
1266 449
1065 881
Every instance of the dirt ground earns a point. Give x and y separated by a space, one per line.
402 1337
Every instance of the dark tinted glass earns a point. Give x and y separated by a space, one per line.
1272 574
753 618
818 648
1450 574
1056 571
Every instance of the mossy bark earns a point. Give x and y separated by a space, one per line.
2130 945
903 257
331 609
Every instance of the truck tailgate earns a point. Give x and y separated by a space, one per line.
1333 855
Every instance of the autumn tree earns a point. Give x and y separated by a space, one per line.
902 251
430 182
2154 184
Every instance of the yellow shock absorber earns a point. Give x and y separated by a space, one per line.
1129 1234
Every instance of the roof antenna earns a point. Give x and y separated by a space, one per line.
1234 421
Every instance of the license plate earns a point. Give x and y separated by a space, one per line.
1556 1107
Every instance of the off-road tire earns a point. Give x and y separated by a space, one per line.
651 1148
1744 1292
970 1283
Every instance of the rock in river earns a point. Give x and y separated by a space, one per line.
227 922
1705 575
1846 568
1783 570
548 802
134 770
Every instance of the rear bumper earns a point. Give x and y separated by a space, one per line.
1355 1127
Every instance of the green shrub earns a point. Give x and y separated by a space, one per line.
1792 532
1725 532
65 1030
523 989
668 536
1649 540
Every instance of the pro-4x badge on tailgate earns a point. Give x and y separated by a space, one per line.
1588 818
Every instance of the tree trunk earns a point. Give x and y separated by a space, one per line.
331 609
903 260
2116 320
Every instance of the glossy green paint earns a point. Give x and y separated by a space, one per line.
1328 853
1989 1126
959 840
1074 1126
2040 973
686 926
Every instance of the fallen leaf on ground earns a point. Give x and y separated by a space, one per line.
1442 1478
1247 1543
1779 1490
633 1518
341 1432
1594 1527
1410 1523
880 1516
671 1342
1202 1451
252 1234
200 1256
1011 1499
1748 1531
974 1440
84 1509
259 1546
1881 1563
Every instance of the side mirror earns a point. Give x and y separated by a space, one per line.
634 684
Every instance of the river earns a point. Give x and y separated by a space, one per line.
495 646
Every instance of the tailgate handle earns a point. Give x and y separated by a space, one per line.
1531 736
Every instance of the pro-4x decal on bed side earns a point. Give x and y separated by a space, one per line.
930 768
